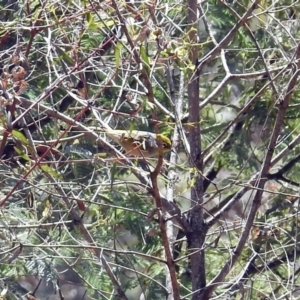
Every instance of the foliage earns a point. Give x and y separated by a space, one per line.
217 217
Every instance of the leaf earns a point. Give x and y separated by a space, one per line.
113 174
50 171
20 136
48 209
118 49
63 54
89 18
30 199
145 59
91 22
22 153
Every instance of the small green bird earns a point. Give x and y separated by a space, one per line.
259 17
139 143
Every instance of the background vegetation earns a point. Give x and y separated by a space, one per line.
217 217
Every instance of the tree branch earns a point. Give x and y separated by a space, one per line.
261 180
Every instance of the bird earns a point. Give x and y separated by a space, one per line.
139 143
259 17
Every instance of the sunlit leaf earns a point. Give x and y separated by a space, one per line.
51 171
118 50
20 136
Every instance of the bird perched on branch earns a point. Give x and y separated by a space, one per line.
139 143
259 17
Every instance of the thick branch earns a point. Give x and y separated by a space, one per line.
263 175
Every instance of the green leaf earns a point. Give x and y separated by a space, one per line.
145 59
50 171
91 22
89 18
118 49
20 136
22 153
113 174
62 53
